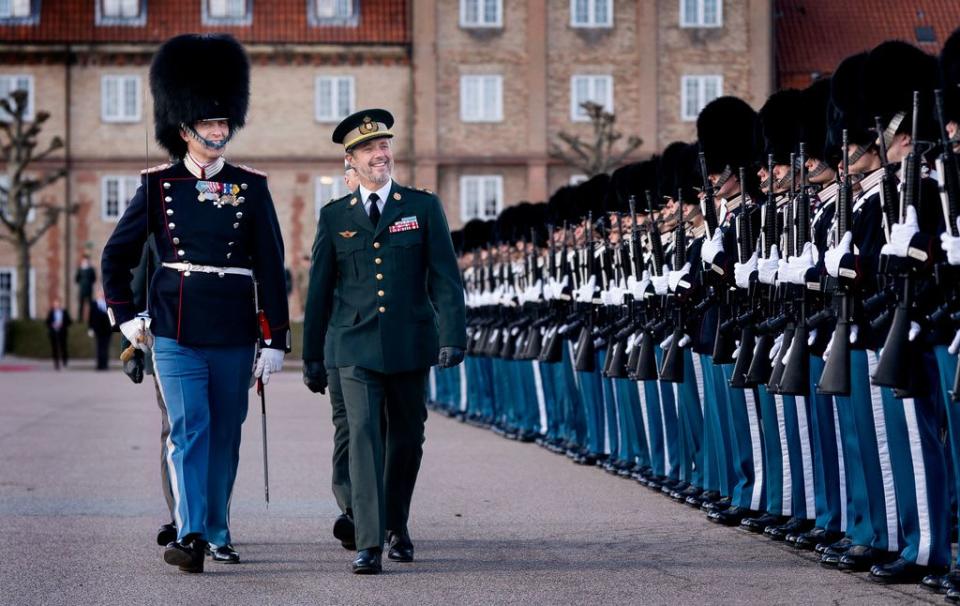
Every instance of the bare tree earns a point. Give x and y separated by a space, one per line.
18 150
598 155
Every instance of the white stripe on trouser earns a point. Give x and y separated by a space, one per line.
806 453
602 407
433 383
667 466
576 375
677 405
642 392
919 481
541 400
787 488
883 447
698 375
618 413
757 448
463 387
840 467
171 468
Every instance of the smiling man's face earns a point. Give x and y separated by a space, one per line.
373 161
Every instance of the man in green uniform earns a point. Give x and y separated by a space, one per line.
385 303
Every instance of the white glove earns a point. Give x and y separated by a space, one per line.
617 292
914 331
532 293
675 277
606 297
786 354
797 267
684 340
665 344
854 333
951 245
712 247
586 291
767 268
901 234
812 338
834 255
661 282
137 331
775 349
955 344
826 352
268 362
743 271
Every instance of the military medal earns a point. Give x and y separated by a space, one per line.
220 193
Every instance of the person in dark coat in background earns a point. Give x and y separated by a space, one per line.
58 322
99 326
85 278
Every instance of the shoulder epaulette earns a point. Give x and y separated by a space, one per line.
156 168
424 190
252 170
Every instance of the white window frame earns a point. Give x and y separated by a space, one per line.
32 213
482 181
696 20
591 21
28 115
124 183
335 80
337 189
481 21
482 112
101 19
208 18
575 109
701 81
10 16
121 81
14 312
317 20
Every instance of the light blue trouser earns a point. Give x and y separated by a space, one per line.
690 415
947 368
569 424
591 395
796 422
828 481
771 420
649 394
633 443
205 390
670 424
609 415
716 461
480 385
746 432
920 472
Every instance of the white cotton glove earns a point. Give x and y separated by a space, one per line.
914 331
508 297
743 271
798 266
685 340
665 344
675 277
617 292
532 293
712 247
951 245
775 349
901 234
137 331
812 337
854 333
586 291
606 297
955 344
767 268
268 362
826 352
835 255
661 282
786 354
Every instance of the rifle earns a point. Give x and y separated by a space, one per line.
760 367
795 377
584 352
948 177
646 362
672 368
745 249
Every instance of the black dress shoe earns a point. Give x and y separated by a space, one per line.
900 571
401 547
166 534
760 523
841 545
730 516
344 531
186 554
818 536
792 526
224 554
933 582
861 558
718 505
368 561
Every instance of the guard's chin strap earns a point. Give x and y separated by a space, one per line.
817 170
207 142
723 178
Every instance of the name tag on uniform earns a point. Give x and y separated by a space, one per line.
404 224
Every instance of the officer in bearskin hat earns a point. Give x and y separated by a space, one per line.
221 256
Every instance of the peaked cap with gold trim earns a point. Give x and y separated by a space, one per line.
362 126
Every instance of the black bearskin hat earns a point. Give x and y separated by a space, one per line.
848 106
560 206
590 196
476 234
457 238
950 77
678 171
726 129
186 91
780 125
813 117
892 72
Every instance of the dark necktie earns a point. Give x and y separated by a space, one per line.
374 209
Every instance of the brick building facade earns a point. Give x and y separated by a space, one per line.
479 89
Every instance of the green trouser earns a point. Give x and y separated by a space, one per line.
386 415
341 443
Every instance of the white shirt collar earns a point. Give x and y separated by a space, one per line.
382 193
203 171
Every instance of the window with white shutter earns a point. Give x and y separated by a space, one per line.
481 196
13 82
334 98
120 98
481 98
595 88
116 191
696 92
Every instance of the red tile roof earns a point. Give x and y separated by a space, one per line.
813 36
274 21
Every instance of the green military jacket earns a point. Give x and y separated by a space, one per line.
384 299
